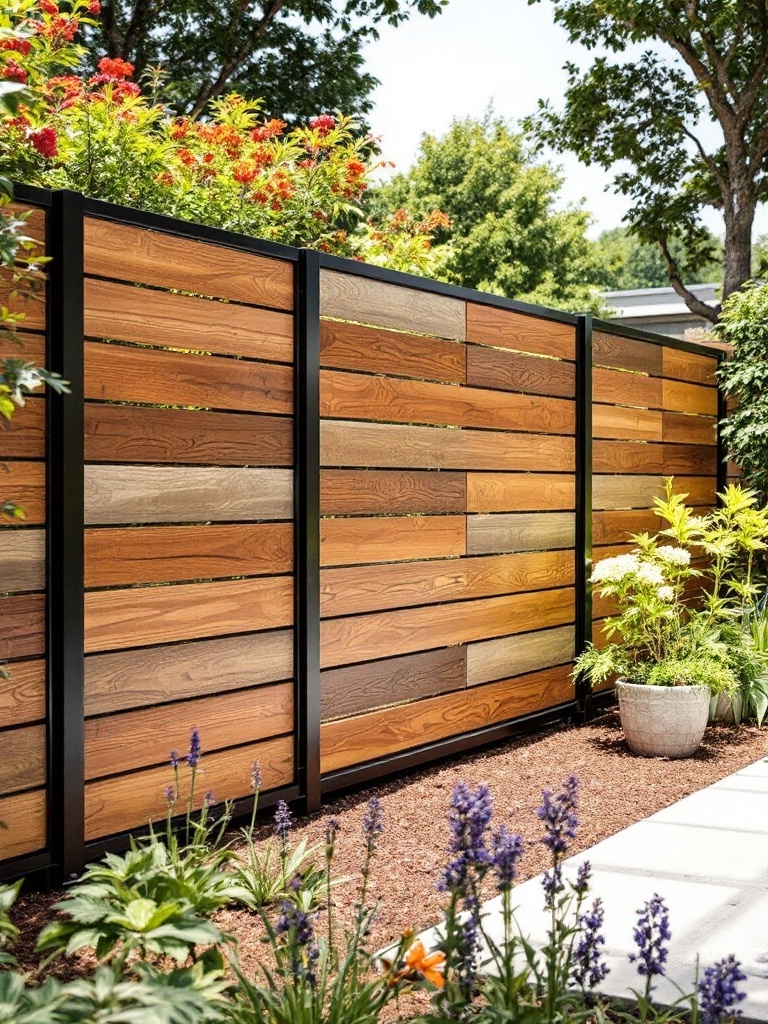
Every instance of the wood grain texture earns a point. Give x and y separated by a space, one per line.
152 317
516 655
124 433
349 591
366 737
158 675
350 297
22 694
27 814
614 527
392 446
348 691
519 492
127 801
698 369
121 373
680 397
622 387
642 457
121 743
348 346
392 539
371 491
22 556
627 353
503 328
625 424
32 348
609 492
25 438
167 261
386 634
154 615
158 494
689 429
510 371
32 307
361 397
22 626
489 534
24 484
22 765
166 554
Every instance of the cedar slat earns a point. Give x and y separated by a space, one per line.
157 494
164 554
22 765
125 801
31 347
31 307
510 371
366 737
25 814
22 556
384 634
34 222
157 675
503 328
643 457
348 346
623 423
358 589
24 484
24 438
614 527
124 433
689 429
151 317
22 695
400 447
620 387
519 492
353 297
489 534
688 366
679 397
610 492
120 373
392 539
187 611
360 397
22 626
626 353
167 261
348 691
515 655
368 492
142 738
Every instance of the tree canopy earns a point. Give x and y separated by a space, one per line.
506 234
681 117
624 262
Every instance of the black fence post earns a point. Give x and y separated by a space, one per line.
722 454
65 521
307 526
583 503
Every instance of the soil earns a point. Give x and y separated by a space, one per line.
617 789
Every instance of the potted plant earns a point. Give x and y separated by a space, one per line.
677 637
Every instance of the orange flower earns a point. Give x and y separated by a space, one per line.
430 966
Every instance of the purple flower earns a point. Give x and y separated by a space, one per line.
373 824
256 779
583 876
283 820
558 812
298 929
469 821
170 797
210 799
552 883
651 932
588 967
195 752
175 759
507 851
467 948
332 827
718 994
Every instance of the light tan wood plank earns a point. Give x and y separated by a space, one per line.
503 328
24 484
699 369
622 423
372 492
616 492
515 655
519 492
184 494
351 541
621 387
22 765
25 815
689 429
22 694
627 353
354 347
680 397
489 534
22 556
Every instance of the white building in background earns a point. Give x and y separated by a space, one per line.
660 309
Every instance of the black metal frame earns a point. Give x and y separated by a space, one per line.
583 551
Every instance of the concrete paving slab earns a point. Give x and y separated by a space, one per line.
719 807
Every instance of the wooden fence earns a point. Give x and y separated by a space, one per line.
338 519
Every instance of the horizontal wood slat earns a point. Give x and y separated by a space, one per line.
25 438
187 611
614 527
358 589
400 447
378 733
22 694
149 317
24 484
22 556
157 494
167 261
510 371
348 691
31 308
371 491
127 801
639 491
121 373
699 369
515 655
620 387
140 739
488 534
519 492
350 541
22 765
504 328
624 423
22 626
352 297
642 457
26 816
158 675
689 429
348 346
627 353
383 634
690 398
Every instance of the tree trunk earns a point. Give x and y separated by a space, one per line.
737 250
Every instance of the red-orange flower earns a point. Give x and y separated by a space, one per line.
45 142
431 966
115 68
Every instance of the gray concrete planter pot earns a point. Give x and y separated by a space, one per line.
663 721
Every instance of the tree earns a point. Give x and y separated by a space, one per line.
300 56
625 262
650 118
506 234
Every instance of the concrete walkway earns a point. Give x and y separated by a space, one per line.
707 856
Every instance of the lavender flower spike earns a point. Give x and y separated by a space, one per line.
469 821
651 932
507 851
558 813
283 820
170 796
175 759
589 969
718 994
195 751
373 824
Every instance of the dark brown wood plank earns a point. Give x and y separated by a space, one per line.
22 694
627 353
510 371
699 369
626 424
680 397
24 484
22 556
348 691
167 261
164 554
503 328
124 433
614 527
26 815
150 317
24 437
519 492
22 626
349 346
31 308
622 387
489 534
22 765
643 457
371 491
689 429
120 373
351 541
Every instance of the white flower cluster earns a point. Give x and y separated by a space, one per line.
614 569
675 556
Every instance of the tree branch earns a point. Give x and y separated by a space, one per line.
714 170
693 303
